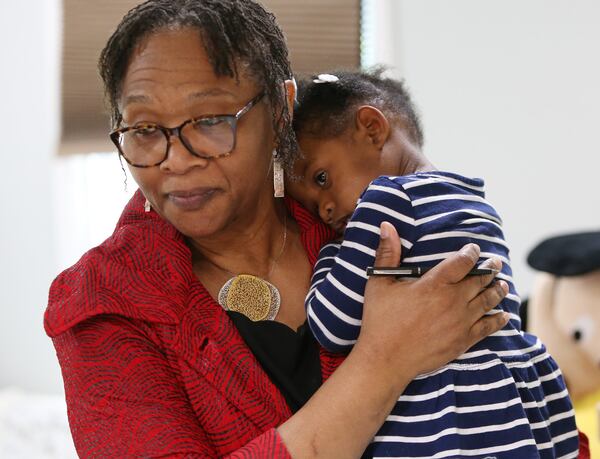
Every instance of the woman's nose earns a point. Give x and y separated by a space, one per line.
180 159
326 208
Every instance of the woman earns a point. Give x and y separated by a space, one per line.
153 365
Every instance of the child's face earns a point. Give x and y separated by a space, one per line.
331 177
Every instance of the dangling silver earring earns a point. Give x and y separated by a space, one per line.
278 183
147 206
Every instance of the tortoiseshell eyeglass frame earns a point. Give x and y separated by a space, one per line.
232 120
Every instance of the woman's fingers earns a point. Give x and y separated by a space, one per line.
427 322
486 326
389 249
473 285
488 298
491 263
454 268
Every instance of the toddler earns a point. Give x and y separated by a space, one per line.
362 164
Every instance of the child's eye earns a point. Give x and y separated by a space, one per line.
321 178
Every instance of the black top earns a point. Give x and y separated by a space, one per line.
290 359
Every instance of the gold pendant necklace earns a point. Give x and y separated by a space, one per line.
251 295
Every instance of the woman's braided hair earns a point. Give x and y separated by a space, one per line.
238 35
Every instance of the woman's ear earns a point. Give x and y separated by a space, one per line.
372 126
290 91
289 86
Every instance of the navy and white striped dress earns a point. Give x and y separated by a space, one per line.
505 397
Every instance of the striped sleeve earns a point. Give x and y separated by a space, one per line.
335 300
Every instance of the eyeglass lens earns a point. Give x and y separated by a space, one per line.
207 137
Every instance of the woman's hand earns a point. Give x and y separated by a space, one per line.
422 324
408 327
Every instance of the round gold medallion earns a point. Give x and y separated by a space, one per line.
252 296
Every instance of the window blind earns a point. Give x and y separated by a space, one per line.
321 34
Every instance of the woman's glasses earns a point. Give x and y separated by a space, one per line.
210 136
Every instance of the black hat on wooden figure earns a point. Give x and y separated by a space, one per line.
567 255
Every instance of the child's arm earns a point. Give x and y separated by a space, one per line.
335 301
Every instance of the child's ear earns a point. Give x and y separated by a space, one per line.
372 125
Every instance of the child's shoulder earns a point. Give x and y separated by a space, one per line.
432 181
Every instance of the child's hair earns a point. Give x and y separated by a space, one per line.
325 105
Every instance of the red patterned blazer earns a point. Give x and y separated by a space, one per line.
152 365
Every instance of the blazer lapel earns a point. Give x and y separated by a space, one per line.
211 345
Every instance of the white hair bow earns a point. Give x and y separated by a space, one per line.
326 78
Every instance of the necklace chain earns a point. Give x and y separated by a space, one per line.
274 261
280 254
252 296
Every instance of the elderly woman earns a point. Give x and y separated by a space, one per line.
183 334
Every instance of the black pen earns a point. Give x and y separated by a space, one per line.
418 271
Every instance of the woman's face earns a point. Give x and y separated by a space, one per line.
170 80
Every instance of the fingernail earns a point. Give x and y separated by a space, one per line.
385 231
506 317
470 249
494 263
497 263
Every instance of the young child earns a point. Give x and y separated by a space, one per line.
361 141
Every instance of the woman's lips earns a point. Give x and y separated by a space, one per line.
191 199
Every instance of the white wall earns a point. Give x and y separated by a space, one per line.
89 192
53 209
509 90
28 116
